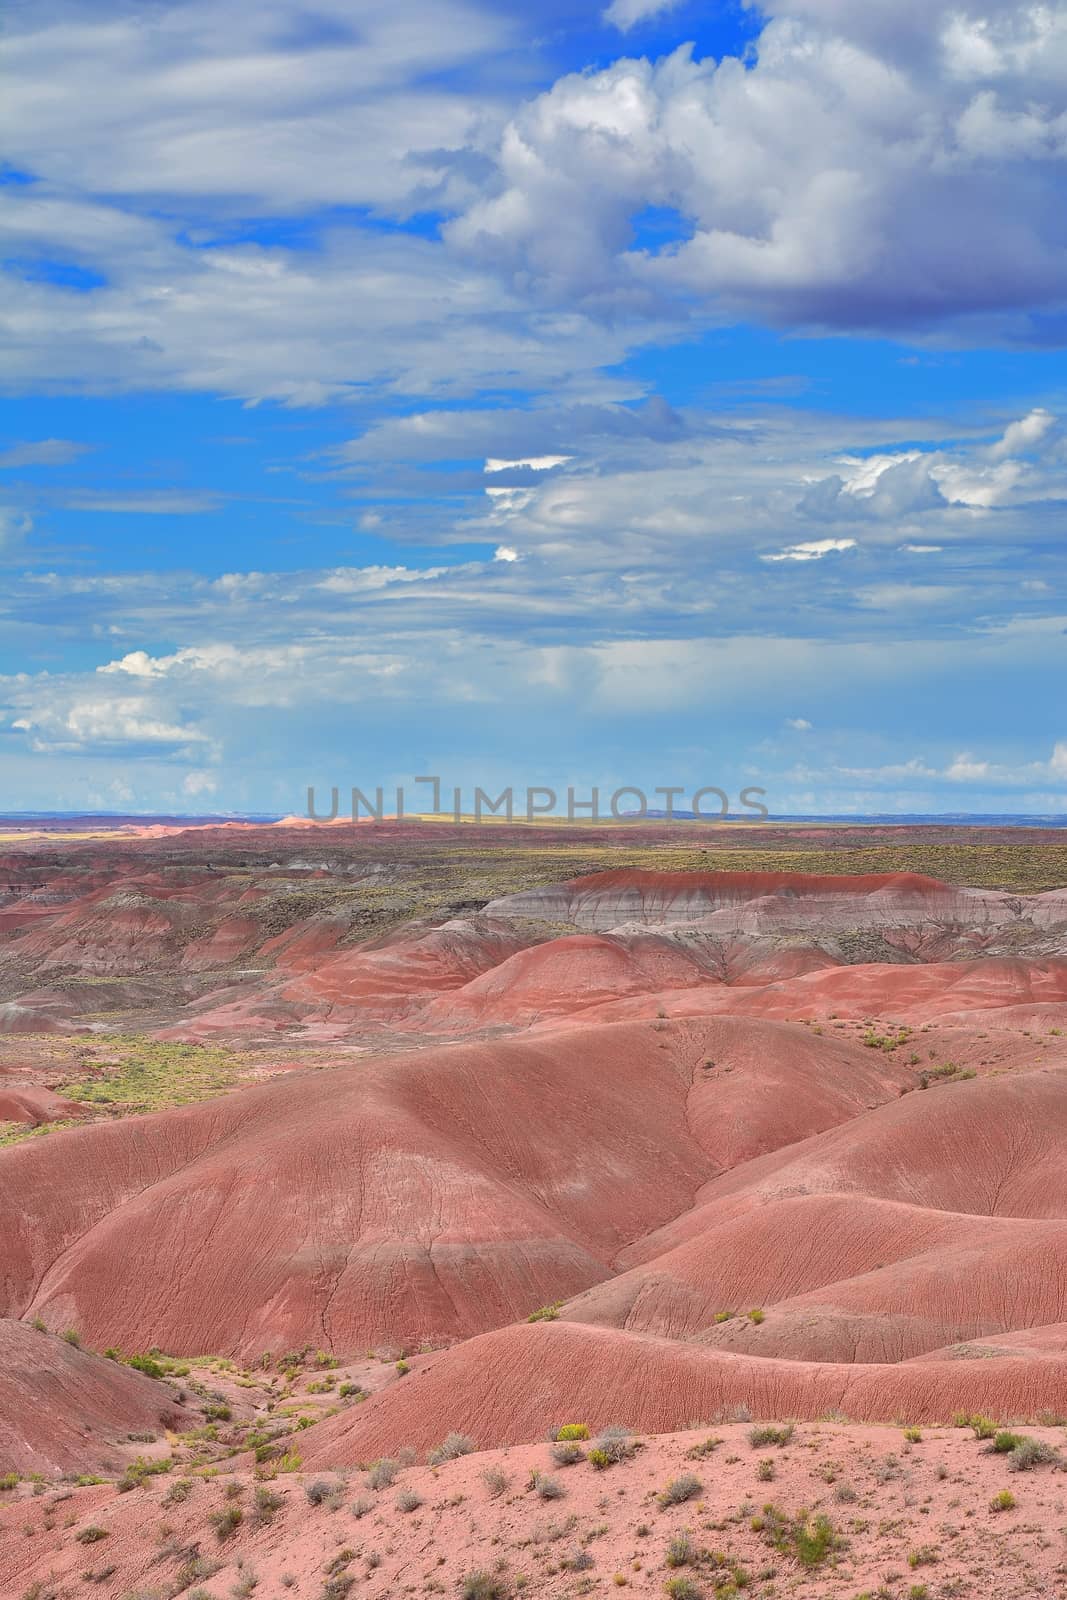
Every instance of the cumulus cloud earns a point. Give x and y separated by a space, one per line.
833 182
1024 434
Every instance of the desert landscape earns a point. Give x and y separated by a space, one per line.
438 1209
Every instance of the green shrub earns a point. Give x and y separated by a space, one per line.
681 1552
226 1521
683 1588
546 1313
1004 1501
810 1539
146 1364
573 1430
687 1487
266 1504
1004 1442
765 1433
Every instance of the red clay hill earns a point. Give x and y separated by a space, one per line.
632 1147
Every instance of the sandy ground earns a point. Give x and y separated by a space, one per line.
909 1520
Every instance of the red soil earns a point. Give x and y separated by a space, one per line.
66 1410
509 1386
36 1105
406 1201
930 1501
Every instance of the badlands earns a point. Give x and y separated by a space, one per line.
449 1210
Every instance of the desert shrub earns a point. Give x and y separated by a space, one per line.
683 1588
1004 1441
765 1470
484 1586
178 1491
722 1316
338 1586
547 1488
925 1556
983 1427
348 1390
450 1448
402 1368
1030 1453
566 1453
687 1487
546 1313
572 1430
72 1336
408 1500
615 1444
192 1569
361 1508
91 1534
10 1480
697 1452
226 1521
810 1539
146 1364
913 1435
321 1492
681 1552
765 1433
580 1561
382 1474
267 1502
496 1481
1003 1501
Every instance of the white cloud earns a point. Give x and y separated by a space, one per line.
535 463
812 550
1024 434
42 453
830 183
72 721
965 769
922 549
198 783
282 107
625 14
504 552
798 724
142 503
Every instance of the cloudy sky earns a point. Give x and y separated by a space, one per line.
666 394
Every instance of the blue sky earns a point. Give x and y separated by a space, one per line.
653 394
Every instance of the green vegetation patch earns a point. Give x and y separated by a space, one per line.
143 1074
